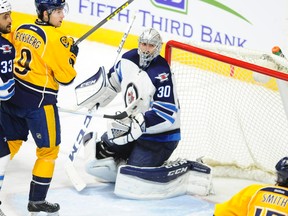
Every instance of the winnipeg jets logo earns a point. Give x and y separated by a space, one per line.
131 94
6 49
162 77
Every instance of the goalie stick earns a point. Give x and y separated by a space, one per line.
103 21
71 172
121 115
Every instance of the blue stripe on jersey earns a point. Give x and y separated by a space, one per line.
280 191
167 105
162 109
35 29
7 85
163 137
165 116
117 69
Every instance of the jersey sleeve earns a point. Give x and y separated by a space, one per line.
164 111
57 57
115 76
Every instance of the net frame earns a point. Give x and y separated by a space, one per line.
255 62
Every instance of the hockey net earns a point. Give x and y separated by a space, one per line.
232 113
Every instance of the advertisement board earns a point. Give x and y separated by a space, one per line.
251 24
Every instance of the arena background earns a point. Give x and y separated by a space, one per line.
251 24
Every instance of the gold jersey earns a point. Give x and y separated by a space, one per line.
256 200
42 62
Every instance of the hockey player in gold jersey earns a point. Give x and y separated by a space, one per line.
45 58
260 200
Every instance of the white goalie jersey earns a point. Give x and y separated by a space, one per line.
155 86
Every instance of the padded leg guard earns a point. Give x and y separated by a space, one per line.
173 179
199 180
104 169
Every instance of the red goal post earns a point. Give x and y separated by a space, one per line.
233 107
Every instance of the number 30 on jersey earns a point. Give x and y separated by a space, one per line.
164 91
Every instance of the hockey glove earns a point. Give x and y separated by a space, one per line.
74 49
121 132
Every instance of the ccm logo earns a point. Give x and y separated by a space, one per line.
178 171
88 83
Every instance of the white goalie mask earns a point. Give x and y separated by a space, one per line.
149 37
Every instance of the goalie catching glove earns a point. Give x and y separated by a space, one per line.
121 132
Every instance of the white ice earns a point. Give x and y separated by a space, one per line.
98 198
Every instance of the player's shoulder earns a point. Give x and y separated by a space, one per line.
255 188
160 64
131 54
274 189
5 39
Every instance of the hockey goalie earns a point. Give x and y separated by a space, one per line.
134 152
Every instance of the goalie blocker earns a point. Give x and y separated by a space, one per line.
173 179
96 90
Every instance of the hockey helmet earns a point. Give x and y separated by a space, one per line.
5 6
49 6
282 172
152 37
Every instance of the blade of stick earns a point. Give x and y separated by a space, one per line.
74 177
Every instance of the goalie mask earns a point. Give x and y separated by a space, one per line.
149 46
282 172
49 6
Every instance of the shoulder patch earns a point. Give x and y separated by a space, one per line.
64 40
163 77
6 48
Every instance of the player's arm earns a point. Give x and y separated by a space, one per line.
61 57
114 77
164 109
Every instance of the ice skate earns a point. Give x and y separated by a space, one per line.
43 206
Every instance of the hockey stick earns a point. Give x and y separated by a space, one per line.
72 173
124 38
121 115
103 21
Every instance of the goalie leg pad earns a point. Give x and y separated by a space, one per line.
104 169
172 179
199 180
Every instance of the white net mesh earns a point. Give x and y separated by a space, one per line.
231 116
